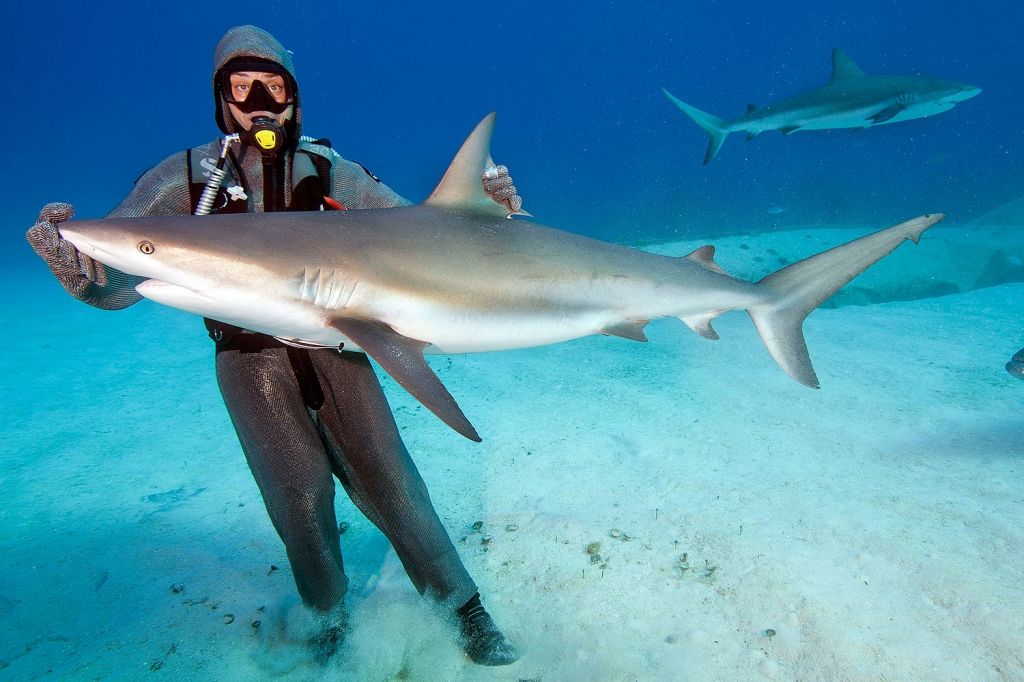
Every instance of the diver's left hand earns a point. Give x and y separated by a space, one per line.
499 187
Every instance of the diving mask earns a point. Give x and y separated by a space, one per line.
258 96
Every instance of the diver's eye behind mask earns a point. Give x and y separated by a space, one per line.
258 97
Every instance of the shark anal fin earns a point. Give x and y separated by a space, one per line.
885 114
402 358
701 324
632 330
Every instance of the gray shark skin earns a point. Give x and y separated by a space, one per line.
455 275
850 99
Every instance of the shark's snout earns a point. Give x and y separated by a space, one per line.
107 245
969 92
960 93
79 239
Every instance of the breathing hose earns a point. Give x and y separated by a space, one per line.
209 195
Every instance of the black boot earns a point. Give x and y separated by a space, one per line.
1016 364
480 638
330 635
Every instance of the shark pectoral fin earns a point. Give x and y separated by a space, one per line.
701 324
462 185
789 130
885 114
632 330
402 358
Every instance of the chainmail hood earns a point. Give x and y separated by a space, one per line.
251 42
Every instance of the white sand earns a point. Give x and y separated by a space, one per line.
876 526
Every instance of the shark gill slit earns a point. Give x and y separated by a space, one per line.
325 289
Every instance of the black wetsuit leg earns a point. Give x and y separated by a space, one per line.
376 470
288 461
293 451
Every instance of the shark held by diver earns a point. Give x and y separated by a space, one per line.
455 274
850 99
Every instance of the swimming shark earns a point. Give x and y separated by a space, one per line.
850 99
455 274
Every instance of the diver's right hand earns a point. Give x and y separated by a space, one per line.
74 269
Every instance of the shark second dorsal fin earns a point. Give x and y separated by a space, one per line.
462 185
843 67
705 257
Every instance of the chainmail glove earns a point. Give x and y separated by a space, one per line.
75 271
499 187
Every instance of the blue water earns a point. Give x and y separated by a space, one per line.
882 515
98 93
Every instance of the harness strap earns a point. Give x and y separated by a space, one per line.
228 337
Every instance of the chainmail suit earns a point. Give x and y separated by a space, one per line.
293 450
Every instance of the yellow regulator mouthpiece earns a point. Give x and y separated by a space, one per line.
267 139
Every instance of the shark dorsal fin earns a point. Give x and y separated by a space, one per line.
843 67
462 185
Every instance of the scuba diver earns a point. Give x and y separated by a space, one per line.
303 416
1016 364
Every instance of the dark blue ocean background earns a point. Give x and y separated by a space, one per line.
99 92
883 514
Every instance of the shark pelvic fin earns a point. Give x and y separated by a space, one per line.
797 289
462 185
632 330
843 67
712 125
402 358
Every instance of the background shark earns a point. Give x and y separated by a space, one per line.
455 275
850 99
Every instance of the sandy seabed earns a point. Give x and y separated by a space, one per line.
677 510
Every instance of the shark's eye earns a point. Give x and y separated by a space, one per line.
146 247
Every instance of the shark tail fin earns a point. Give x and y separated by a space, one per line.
712 125
794 291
